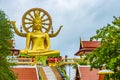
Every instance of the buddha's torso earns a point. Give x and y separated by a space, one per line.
38 41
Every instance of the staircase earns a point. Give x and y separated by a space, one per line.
49 73
57 74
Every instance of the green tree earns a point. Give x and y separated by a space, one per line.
6 34
108 52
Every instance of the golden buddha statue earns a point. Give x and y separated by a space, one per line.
37 40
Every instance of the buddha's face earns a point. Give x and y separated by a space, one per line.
37 21
37 24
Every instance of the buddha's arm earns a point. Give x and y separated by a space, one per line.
47 41
55 34
16 30
27 41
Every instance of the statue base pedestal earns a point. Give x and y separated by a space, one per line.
42 58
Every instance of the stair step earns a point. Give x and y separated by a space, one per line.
49 73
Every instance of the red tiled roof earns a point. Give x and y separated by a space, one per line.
86 74
84 50
87 46
90 44
14 51
25 73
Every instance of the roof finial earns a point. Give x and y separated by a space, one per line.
52 31
80 44
20 28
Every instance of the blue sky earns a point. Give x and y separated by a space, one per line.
80 18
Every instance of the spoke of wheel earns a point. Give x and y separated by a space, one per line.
45 20
31 16
44 27
42 16
34 12
39 11
45 23
29 19
30 27
28 23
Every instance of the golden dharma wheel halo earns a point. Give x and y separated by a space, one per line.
29 16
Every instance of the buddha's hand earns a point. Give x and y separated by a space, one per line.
13 23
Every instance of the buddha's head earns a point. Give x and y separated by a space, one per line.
37 22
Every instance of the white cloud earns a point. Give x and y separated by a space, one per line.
80 18
68 4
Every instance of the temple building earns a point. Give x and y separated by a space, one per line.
86 47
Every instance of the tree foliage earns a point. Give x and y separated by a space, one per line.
6 34
108 52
